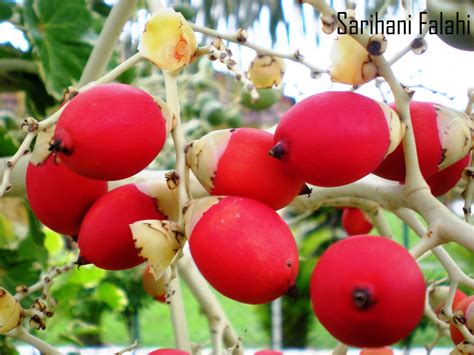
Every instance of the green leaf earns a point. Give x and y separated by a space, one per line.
6 10
88 276
53 242
8 145
111 295
57 29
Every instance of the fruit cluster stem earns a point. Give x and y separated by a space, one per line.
340 349
110 33
235 38
22 334
208 302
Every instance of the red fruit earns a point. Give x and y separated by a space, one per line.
355 221
105 238
109 132
155 288
59 197
242 247
465 308
378 351
168 352
446 179
333 138
442 138
237 163
367 291
268 352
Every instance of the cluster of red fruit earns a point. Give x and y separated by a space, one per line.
239 243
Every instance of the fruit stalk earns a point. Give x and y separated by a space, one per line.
207 301
454 271
340 349
172 287
45 281
108 37
380 222
235 38
21 333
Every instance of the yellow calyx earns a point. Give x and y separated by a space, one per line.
168 40
350 62
266 71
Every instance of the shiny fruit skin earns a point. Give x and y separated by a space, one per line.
109 132
333 138
355 221
245 250
446 179
367 291
105 238
59 197
428 146
168 352
247 170
467 307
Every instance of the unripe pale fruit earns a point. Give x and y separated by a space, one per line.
267 98
242 247
377 351
442 138
464 311
105 238
168 40
446 179
10 312
367 291
350 62
336 138
236 162
109 132
59 197
155 288
168 352
355 221
266 71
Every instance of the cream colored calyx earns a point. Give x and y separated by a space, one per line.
203 155
167 199
195 209
454 130
158 242
396 128
41 150
10 312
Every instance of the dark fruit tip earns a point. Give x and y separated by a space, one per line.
362 298
278 151
305 190
57 147
81 261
